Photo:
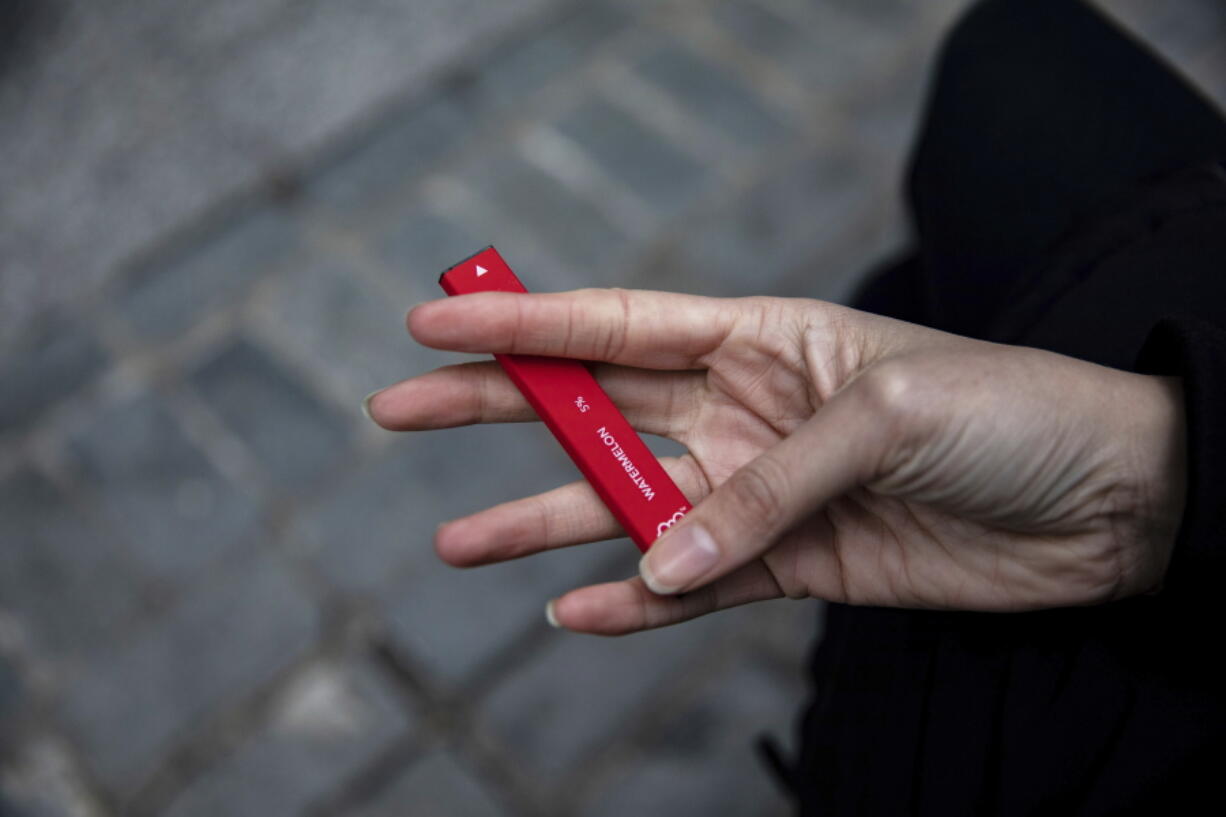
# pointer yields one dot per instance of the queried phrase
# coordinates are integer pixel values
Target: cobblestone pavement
(217, 589)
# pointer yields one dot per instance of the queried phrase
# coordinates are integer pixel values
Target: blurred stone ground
(217, 588)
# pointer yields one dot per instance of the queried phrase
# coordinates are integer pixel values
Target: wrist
(1159, 438)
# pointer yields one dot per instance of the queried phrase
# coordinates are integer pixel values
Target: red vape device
(565, 395)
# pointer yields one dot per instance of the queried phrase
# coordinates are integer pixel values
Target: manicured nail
(366, 404)
(551, 617)
(678, 559)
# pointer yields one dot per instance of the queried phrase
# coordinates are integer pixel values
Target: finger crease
(546, 522)
(619, 335)
(482, 396)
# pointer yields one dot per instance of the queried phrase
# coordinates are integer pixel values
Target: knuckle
(889, 390)
(908, 404)
(519, 323)
(572, 321)
(545, 530)
(618, 332)
(480, 407)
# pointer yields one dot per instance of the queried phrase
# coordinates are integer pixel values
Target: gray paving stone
(712, 93)
(454, 621)
(381, 522)
(325, 65)
(751, 244)
(105, 153)
(170, 292)
(835, 50)
(295, 437)
(363, 534)
(570, 228)
(887, 119)
(438, 785)
(519, 69)
(891, 13)
(65, 581)
(332, 721)
(897, 18)
(635, 156)
(39, 779)
(418, 245)
(1187, 33)
(391, 155)
(472, 228)
(1212, 78)
(756, 26)
(339, 326)
(705, 761)
(12, 697)
(565, 705)
(219, 642)
(1184, 30)
(395, 153)
(418, 242)
(190, 31)
(57, 358)
(176, 512)
(108, 146)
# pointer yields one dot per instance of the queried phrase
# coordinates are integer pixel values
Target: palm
(884, 550)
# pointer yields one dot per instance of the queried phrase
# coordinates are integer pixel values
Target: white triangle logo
(481, 271)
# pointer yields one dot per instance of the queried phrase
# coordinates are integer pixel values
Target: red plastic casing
(609, 453)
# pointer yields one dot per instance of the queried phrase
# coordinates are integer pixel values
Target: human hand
(832, 454)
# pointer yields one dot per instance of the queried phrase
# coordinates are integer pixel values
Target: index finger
(633, 327)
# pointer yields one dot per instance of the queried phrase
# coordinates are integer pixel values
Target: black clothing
(1067, 194)
(1041, 110)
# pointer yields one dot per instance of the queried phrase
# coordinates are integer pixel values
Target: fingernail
(678, 559)
(551, 617)
(366, 404)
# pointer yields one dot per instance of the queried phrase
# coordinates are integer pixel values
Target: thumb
(838, 448)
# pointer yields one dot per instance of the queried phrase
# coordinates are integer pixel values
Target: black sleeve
(1195, 350)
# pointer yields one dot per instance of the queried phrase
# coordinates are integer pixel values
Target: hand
(831, 454)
